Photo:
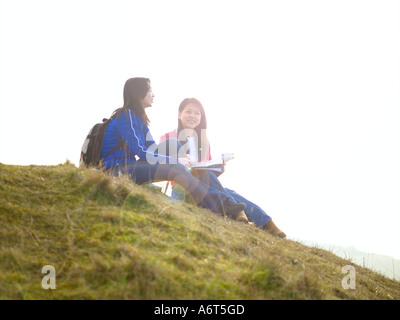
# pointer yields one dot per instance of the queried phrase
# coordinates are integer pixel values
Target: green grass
(110, 239)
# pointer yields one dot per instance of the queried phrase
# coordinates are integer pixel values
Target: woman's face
(148, 99)
(190, 116)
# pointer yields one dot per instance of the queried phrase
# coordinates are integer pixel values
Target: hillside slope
(110, 239)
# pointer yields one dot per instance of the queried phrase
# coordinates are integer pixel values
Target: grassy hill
(110, 239)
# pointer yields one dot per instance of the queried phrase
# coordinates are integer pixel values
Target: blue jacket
(138, 139)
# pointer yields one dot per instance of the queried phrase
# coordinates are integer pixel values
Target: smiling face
(190, 116)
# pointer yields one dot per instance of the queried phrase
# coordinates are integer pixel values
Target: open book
(213, 165)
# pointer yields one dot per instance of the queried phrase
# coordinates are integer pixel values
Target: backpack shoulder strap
(122, 142)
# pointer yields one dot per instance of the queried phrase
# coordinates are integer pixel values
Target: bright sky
(305, 93)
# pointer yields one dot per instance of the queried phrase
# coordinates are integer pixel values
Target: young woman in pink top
(191, 133)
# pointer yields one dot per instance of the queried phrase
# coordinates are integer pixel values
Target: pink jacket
(174, 134)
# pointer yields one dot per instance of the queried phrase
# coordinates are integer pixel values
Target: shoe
(241, 217)
(273, 230)
(232, 209)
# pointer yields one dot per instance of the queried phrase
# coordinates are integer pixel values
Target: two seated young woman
(145, 161)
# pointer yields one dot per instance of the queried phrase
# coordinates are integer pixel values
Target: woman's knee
(181, 175)
(180, 169)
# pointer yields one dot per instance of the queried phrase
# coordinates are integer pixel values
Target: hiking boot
(273, 230)
(233, 209)
(241, 217)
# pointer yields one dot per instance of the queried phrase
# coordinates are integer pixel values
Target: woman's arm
(130, 128)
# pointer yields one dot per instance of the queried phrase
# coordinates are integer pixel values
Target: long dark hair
(135, 90)
(202, 140)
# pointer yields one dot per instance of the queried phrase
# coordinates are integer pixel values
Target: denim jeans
(203, 194)
(253, 211)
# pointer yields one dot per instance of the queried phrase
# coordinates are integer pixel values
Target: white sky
(305, 93)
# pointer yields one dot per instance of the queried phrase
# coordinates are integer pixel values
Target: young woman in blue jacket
(191, 131)
(137, 153)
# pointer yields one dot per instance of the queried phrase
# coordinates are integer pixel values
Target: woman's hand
(187, 162)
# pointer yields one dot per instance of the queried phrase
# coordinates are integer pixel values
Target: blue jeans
(142, 172)
(253, 211)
